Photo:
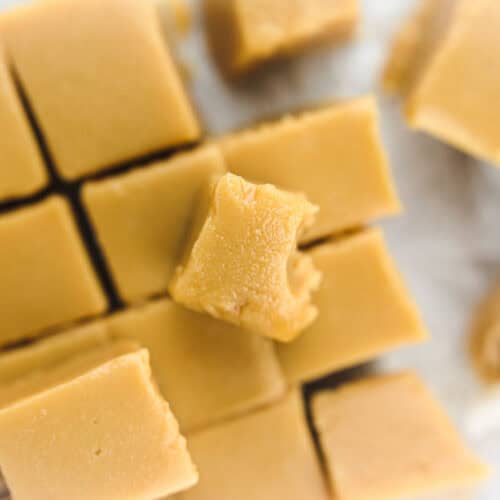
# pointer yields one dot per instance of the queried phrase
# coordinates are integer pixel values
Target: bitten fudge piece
(243, 33)
(48, 352)
(207, 369)
(142, 218)
(101, 82)
(266, 455)
(364, 310)
(22, 171)
(387, 436)
(334, 155)
(242, 264)
(441, 62)
(104, 434)
(46, 273)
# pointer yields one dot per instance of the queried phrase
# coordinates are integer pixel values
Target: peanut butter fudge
(242, 264)
(243, 33)
(45, 272)
(386, 437)
(334, 155)
(266, 455)
(22, 171)
(105, 434)
(442, 64)
(364, 310)
(141, 219)
(206, 369)
(101, 82)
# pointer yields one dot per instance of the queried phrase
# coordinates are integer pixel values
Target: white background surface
(447, 244)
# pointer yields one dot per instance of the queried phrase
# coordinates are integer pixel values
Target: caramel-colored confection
(387, 437)
(101, 82)
(22, 171)
(333, 155)
(441, 63)
(244, 33)
(484, 345)
(45, 272)
(106, 433)
(364, 310)
(141, 219)
(242, 264)
(267, 455)
(206, 369)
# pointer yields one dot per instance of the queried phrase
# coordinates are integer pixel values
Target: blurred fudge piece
(100, 79)
(46, 274)
(22, 171)
(106, 433)
(266, 455)
(387, 436)
(241, 263)
(443, 64)
(208, 370)
(244, 33)
(364, 310)
(334, 155)
(141, 219)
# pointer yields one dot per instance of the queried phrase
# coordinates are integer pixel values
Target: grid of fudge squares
(245, 33)
(441, 64)
(102, 68)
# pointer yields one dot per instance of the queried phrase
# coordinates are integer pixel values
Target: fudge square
(22, 171)
(266, 455)
(100, 79)
(208, 370)
(386, 436)
(454, 79)
(106, 433)
(314, 153)
(364, 310)
(47, 277)
(243, 33)
(141, 219)
(242, 264)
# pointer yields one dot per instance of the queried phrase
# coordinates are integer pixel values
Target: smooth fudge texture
(334, 155)
(141, 219)
(244, 33)
(206, 369)
(22, 171)
(242, 264)
(48, 352)
(101, 81)
(106, 434)
(484, 344)
(45, 271)
(387, 437)
(364, 310)
(456, 96)
(266, 455)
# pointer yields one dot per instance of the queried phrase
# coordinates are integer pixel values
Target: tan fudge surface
(267, 455)
(387, 437)
(106, 434)
(141, 219)
(46, 272)
(314, 154)
(243, 33)
(48, 352)
(242, 264)
(207, 370)
(22, 171)
(449, 99)
(364, 310)
(101, 81)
